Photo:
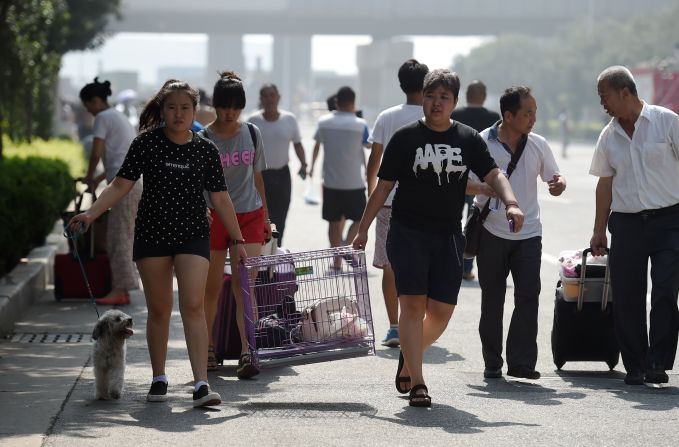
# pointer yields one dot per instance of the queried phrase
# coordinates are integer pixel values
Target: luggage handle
(583, 269)
(77, 203)
(78, 199)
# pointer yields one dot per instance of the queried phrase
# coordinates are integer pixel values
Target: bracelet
(237, 241)
(508, 204)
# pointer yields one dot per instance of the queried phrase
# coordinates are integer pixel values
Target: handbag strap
(510, 168)
(516, 155)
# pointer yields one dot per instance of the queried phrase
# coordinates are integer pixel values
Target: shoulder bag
(474, 225)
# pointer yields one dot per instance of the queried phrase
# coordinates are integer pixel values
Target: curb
(29, 279)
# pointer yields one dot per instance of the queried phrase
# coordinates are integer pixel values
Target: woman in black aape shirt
(172, 231)
(430, 159)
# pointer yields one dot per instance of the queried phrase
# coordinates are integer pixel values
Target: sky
(148, 52)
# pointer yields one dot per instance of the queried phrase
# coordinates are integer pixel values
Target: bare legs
(421, 323)
(335, 232)
(156, 275)
(390, 294)
(213, 288)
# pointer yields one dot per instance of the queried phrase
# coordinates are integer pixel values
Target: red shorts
(251, 226)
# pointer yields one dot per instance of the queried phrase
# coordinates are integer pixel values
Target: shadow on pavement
(435, 355)
(613, 381)
(446, 418)
(225, 382)
(528, 393)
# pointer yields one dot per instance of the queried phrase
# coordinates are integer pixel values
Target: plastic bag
(310, 194)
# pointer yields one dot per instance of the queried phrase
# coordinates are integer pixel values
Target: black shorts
(425, 263)
(347, 203)
(200, 247)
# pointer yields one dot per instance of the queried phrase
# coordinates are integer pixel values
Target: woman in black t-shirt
(430, 159)
(172, 230)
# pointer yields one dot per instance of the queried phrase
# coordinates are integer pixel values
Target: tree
(35, 35)
(562, 69)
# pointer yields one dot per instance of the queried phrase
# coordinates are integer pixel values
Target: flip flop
(421, 399)
(404, 379)
(211, 359)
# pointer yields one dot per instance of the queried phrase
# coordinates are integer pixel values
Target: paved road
(46, 389)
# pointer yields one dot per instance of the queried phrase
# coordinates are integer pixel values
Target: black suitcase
(584, 331)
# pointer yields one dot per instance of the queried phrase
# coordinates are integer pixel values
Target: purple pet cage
(307, 307)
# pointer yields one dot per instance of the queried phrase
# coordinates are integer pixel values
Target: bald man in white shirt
(637, 197)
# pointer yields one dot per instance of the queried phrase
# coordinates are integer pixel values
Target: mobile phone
(511, 225)
(302, 175)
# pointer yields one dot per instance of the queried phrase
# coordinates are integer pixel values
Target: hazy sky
(148, 52)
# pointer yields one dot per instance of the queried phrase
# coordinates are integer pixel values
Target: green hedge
(33, 193)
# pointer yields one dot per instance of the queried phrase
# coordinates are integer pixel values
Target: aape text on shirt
(432, 170)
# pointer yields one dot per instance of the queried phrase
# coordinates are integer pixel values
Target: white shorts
(381, 229)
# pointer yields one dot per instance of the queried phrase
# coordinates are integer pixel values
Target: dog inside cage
(301, 308)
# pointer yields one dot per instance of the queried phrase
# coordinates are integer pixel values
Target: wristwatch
(237, 241)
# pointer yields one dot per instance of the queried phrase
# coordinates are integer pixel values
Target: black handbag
(474, 225)
(472, 230)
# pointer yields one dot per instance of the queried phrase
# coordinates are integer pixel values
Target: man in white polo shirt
(343, 136)
(501, 250)
(637, 196)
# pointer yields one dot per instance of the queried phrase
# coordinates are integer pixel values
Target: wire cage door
(307, 307)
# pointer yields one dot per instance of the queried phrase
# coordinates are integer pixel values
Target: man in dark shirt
(478, 118)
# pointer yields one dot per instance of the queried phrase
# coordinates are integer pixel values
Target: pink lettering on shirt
(237, 158)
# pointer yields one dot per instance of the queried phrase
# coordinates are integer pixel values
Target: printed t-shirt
(240, 160)
(172, 210)
(432, 170)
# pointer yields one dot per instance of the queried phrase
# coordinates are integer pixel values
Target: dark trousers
(497, 257)
(278, 187)
(634, 240)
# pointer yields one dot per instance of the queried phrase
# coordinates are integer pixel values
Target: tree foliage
(562, 70)
(35, 34)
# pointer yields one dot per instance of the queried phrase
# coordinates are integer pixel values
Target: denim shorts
(199, 247)
(425, 263)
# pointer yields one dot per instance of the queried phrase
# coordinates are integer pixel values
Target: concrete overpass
(293, 22)
(383, 18)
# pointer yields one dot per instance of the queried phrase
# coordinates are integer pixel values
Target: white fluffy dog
(110, 336)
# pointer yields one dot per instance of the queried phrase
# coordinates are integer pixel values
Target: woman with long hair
(172, 230)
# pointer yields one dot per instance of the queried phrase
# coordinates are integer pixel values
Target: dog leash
(73, 236)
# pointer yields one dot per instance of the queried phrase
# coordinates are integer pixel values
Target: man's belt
(659, 211)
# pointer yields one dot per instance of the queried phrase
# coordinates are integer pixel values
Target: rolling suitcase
(68, 278)
(69, 281)
(274, 291)
(225, 333)
(583, 328)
